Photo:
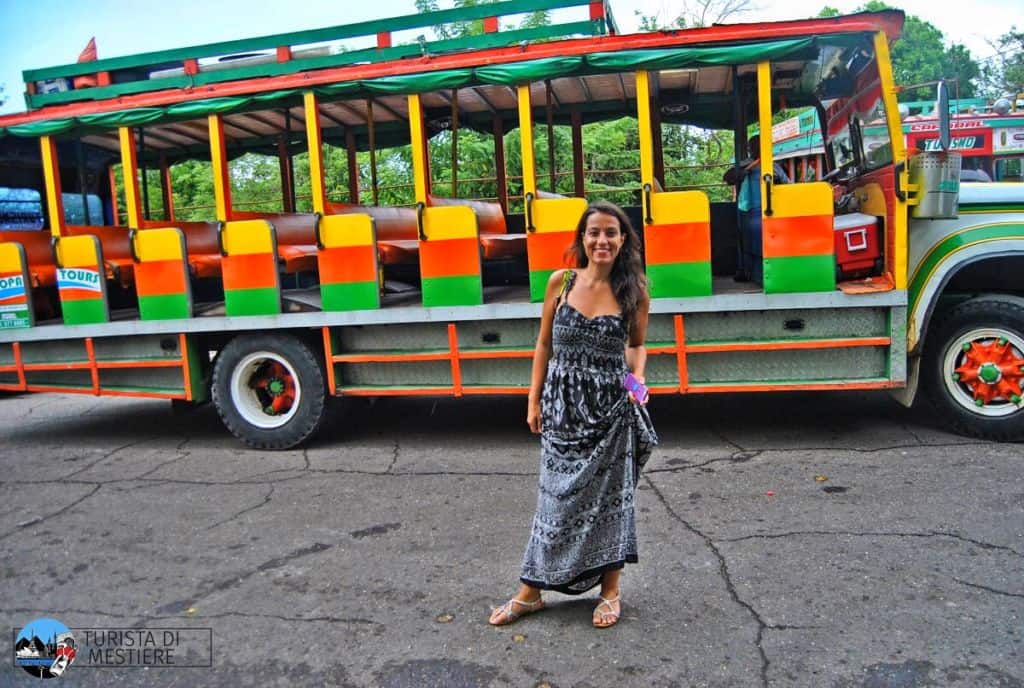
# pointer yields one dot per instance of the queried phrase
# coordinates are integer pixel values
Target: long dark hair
(629, 283)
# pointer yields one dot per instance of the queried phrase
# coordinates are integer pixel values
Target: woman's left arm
(636, 352)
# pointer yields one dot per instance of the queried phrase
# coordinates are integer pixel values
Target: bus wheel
(974, 359)
(269, 390)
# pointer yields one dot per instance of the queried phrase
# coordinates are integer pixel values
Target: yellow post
(51, 178)
(419, 148)
(130, 174)
(764, 117)
(316, 155)
(219, 158)
(643, 114)
(526, 139)
(899, 154)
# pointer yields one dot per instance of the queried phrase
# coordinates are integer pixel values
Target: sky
(44, 33)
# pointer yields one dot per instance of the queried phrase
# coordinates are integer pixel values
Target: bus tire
(973, 361)
(269, 390)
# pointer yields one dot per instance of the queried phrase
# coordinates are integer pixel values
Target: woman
(595, 436)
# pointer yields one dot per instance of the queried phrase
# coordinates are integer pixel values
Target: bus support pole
(419, 148)
(526, 141)
(166, 189)
(51, 179)
(578, 181)
(899, 154)
(221, 178)
(500, 180)
(316, 156)
(643, 114)
(353, 166)
(130, 176)
(82, 191)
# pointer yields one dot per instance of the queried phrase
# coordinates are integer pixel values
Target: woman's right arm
(542, 352)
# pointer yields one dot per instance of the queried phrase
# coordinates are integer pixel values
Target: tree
(461, 29)
(694, 14)
(1003, 73)
(919, 56)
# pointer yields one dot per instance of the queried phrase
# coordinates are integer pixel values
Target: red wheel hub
(991, 371)
(276, 387)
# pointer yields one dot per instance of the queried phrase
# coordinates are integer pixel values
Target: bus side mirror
(942, 112)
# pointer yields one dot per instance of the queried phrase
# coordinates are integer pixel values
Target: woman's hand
(642, 381)
(533, 416)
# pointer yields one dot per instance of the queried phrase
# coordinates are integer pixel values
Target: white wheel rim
(962, 392)
(250, 399)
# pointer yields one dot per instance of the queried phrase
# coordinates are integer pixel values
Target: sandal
(510, 613)
(606, 619)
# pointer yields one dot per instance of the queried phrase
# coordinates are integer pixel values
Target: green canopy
(510, 74)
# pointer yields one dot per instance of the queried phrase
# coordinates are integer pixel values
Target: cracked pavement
(787, 540)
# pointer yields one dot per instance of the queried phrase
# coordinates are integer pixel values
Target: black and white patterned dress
(594, 441)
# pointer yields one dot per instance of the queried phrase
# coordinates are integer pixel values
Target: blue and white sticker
(79, 278)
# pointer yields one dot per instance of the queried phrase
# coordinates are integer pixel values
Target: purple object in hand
(636, 388)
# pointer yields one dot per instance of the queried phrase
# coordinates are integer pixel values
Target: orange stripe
(389, 358)
(547, 251)
(453, 345)
(73, 294)
(113, 365)
(183, 347)
(33, 367)
(345, 264)
(329, 355)
(17, 361)
(375, 392)
(798, 236)
(495, 390)
(14, 301)
(107, 393)
(249, 271)
(487, 355)
(818, 386)
(682, 242)
(94, 372)
(160, 277)
(449, 258)
(684, 373)
(142, 395)
(784, 346)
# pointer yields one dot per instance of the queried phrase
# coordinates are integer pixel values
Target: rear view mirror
(942, 112)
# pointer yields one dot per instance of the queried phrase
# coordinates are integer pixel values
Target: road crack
(723, 569)
(869, 533)
(44, 519)
(266, 500)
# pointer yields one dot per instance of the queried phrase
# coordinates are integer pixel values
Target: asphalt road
(794, 540)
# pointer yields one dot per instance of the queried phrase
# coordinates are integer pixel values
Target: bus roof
(585, 72)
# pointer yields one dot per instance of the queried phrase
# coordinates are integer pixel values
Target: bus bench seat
(41, 268)
(117, 257)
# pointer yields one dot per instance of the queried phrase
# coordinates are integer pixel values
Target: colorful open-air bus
(269, 313)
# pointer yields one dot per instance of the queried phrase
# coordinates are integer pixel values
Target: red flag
(89, 53)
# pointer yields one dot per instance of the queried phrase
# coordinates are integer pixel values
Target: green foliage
(1003, 73)
(920, 56)
(828, 11)
(694, 14)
